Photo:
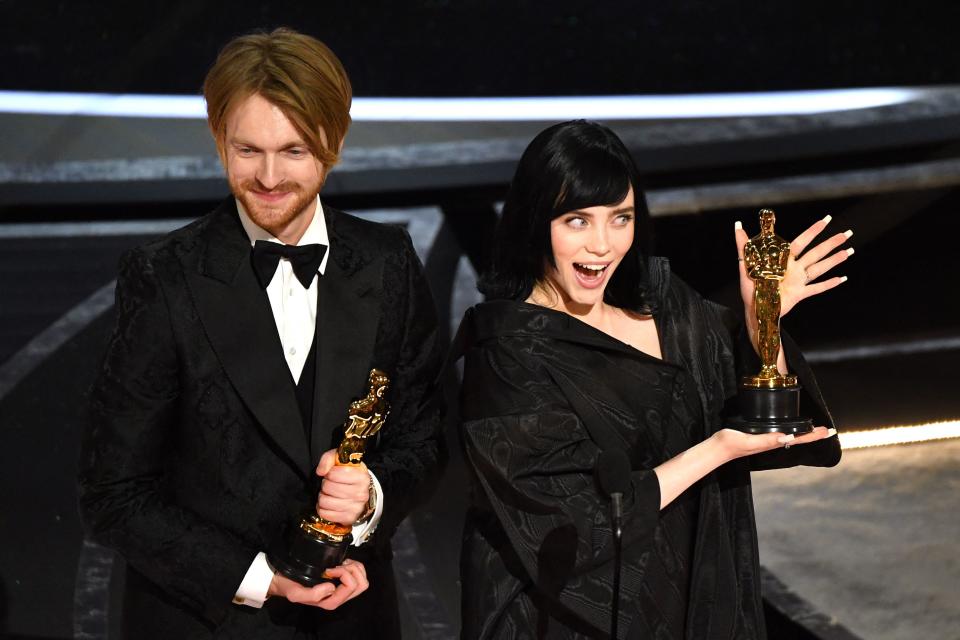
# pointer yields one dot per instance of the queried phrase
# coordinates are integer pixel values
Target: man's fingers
(327, 461)
(359, 573)
(331, 602)
(329, 503)
(295, 592)
(352, 491)
(353, 582)
(348, 578)
(349, 492)
(344, 512)
(356, 567)
(349, 474)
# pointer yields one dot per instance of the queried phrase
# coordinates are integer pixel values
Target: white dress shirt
(295, 313)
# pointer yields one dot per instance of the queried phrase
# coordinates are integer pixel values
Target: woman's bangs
(600, 179)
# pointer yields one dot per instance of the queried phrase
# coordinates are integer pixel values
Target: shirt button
(292, 351)
(291, 293)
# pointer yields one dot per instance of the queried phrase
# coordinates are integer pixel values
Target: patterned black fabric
(537, 557)
(196, 458)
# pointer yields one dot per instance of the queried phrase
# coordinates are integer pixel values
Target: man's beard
(273, 218)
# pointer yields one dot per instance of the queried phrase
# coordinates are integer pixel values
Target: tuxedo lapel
(236, 316)
(348, 310)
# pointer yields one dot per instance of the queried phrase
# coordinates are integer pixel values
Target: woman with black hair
(584, 335)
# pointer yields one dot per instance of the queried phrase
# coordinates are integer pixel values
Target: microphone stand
(616, 507)
(613, 475)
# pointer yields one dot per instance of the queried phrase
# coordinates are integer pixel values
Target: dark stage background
(474, 48)
(75, 192)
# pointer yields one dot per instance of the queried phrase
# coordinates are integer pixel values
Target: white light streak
(102, 104)
(652, 107)
(900, 435)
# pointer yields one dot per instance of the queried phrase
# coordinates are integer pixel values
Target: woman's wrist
(677, 474)
(721, 453)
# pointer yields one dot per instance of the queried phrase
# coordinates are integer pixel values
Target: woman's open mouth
(590, 275)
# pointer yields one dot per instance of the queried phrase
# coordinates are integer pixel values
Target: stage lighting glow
(102, 104)
(664, 107)
(548, 109)
(900, 434)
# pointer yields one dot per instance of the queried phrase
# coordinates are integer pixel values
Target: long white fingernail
(785, 439)
(738, 225)
(827, 218)
(848, 232)
(850, 251)
(843, 279)
(831, 432)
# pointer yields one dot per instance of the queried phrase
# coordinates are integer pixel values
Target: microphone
(613, 476)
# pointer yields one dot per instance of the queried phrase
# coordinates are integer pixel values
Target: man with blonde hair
(240, 341)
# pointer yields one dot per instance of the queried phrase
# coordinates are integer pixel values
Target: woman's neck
(599, 315)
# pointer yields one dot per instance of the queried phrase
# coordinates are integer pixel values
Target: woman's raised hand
(803, 267)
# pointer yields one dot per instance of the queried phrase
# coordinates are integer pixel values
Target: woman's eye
(623, 219)
(576, 222)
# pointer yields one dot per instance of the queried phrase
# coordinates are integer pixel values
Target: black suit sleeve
(129, 442)
(408, 448)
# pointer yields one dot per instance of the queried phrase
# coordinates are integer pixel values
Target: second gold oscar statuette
(316, 544)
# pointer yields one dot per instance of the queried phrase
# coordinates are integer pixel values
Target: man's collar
(316, 232)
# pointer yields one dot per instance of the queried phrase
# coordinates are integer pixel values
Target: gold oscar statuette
(769, 400)
(316, 544)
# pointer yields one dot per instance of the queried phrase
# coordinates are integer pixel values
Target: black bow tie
(305, 259)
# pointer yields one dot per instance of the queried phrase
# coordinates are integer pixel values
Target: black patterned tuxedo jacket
(196, 457)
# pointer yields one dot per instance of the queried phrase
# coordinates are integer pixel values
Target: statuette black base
(304, 557)
(770, 411)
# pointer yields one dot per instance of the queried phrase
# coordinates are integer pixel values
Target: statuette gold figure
(365, 418)
(316, 544)
(770, 400)
(765, 257)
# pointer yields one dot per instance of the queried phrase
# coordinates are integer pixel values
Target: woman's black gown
(537, 555)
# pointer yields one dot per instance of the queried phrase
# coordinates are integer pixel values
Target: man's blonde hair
(297, 73)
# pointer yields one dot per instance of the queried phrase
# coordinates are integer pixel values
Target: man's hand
(353, 582)
(345, 492)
